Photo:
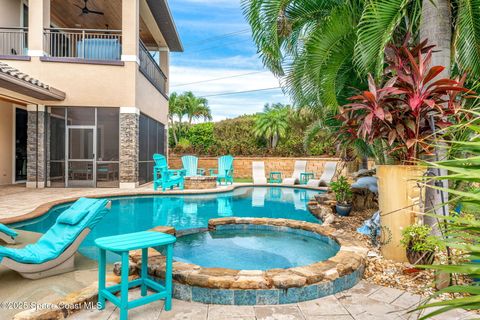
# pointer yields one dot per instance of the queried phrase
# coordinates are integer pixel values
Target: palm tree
(309, 44)
(196, 107)
(272, 123)
(173, 110)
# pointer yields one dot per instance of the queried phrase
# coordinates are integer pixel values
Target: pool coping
(274, 286)
(47, 206)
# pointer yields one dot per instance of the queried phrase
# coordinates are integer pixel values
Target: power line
(222, 78)
(221, 36)
(216, 47)
(238, 92)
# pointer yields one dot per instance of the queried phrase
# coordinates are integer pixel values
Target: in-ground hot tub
(254, 248)
(249, 261)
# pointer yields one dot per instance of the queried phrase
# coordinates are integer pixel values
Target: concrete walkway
(363, 302)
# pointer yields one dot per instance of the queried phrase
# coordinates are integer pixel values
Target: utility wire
(216, 47)
(238, 92)
(219, 37)
(222, 78)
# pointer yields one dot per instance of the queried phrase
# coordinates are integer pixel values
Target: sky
(218, 44)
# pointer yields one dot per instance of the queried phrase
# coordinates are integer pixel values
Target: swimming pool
(139, 213)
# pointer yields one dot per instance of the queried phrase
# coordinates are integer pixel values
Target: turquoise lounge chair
(7, 234)
(164, 177)
(54, 252)
(190, 164)
(225, 170)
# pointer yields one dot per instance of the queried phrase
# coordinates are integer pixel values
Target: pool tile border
(270, 287)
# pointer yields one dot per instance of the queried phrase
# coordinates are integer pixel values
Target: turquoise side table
(122, 244)
(275, 177)
(305, 176)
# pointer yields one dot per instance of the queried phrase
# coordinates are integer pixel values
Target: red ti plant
(401, 112)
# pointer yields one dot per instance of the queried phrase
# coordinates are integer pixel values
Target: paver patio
(362, 302)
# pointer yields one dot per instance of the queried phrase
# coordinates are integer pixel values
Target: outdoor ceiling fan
(85, 9)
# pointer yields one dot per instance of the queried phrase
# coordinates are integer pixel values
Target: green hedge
(236, 137)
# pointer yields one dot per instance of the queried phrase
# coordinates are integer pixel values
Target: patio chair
(7, 235)
(300, 166)
(224, 171)
(328, 173)
(164, 177)
(54, 252)
(258, 172)
(190, 164)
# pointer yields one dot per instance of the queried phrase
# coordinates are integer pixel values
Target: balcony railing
(84, 44)
(13, 41)
(151, 70)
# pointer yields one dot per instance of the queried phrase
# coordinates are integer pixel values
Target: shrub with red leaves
(402, 110)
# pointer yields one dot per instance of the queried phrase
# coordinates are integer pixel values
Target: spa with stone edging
(256, 287)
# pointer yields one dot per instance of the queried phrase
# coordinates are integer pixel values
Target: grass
(244, 180)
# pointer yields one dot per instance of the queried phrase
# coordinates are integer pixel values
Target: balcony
(151, 70)
(94, 45)
(13, 41)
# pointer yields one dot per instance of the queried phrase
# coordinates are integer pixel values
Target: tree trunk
(436, 26)
(172, 126)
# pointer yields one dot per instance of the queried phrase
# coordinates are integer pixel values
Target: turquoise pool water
(132, 214)
(252, 249)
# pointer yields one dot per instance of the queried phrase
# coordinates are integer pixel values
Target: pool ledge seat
(7, 235)
(54, 252)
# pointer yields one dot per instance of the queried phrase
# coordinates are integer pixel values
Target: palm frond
(379, 20)
(467, 37)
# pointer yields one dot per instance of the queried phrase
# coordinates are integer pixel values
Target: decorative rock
(200, 182)
(132, 268)
(288, 280)
(164, 229)
(250, 282)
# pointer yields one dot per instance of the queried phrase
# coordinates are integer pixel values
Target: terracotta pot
(420, 257)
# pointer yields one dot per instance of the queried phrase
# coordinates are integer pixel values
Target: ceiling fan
(86, 11)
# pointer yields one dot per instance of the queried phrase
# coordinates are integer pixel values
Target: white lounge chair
(54, 252)
(300, 167)
(328, 173)
(258, 172)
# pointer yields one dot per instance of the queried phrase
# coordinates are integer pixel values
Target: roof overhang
(163, 17)
(15, 81)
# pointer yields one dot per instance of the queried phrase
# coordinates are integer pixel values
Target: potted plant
(420, 245)
(343, 195)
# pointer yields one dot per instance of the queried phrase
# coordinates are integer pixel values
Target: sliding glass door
(81, 169)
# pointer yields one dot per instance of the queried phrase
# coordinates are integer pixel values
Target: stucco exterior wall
(10, 13)
(6, 142)
(149, 100)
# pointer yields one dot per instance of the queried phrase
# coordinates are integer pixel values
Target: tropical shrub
(401, 113)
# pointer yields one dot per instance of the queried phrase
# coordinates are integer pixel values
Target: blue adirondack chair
(164, 177)
(190, 164)
(225, 170)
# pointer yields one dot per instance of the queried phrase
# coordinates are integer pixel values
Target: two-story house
(83, 91)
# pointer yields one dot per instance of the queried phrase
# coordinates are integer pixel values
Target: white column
(38, 19)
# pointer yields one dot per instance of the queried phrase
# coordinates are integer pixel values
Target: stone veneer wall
(243, 165)
(36, 149)
(129, 147)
